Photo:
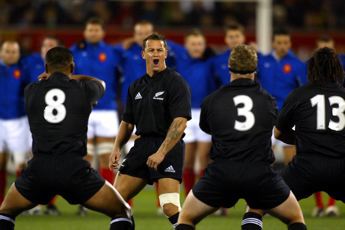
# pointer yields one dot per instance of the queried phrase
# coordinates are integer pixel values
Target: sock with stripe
(6, 222)
(251, 221)
(121, 223)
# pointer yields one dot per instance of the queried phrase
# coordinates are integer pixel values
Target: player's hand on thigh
(114, 159)
(155, 159)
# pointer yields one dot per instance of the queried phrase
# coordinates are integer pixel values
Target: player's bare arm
(174, 134)
(125, 132)
(287, 137)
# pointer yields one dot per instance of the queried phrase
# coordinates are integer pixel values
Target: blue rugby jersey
(34, 66)
(197, 72)
(99, 60)
(13, 80)
(280, 77)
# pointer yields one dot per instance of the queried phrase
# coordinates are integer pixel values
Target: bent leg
(193, 211)
(289, 212)
(13, 204)
(128, 186)
(109, 202)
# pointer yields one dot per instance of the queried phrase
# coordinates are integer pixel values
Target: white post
(264, 24)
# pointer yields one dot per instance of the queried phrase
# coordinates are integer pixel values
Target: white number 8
(55, 111)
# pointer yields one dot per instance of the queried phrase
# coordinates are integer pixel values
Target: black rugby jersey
(153, 102)
(58, 110)
(318, 114)
(240, 117)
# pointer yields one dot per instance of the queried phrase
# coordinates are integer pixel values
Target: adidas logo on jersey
(138, 96)
(156, 97)
(170, 169)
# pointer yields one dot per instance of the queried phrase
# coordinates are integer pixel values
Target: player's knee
(170, 203)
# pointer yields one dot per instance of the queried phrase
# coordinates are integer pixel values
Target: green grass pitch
(147, 219)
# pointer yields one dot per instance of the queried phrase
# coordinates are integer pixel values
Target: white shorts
(15, 138)
(103, 123)
(193, 131)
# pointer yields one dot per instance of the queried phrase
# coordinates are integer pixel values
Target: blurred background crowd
(299, 14)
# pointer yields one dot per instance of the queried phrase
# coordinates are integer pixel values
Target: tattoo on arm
(174, 134)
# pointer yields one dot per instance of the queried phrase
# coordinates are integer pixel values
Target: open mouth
(155, 61)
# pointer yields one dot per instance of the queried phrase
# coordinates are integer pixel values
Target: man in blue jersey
(34, 63)
(279, 73)
(96, 58)
(234, 36)
(14, 129)
(195, 67)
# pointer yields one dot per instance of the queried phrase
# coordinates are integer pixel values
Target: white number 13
(319, 102)
(244, 111)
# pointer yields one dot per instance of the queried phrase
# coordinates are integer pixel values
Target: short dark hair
(281, 31)
(324, 67)
(95, 21)
(234, 26)
(155, 37)
(194, 32)
(58, 58)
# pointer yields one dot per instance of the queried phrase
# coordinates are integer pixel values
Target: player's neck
(152, 72)
(242, 76)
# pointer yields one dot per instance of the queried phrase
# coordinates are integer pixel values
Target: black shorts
(226, 181)
(306, 175)
(135, 162)
(70, 177)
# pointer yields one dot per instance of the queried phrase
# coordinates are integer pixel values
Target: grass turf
(147, 219)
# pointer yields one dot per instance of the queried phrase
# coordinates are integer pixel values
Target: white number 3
(55, 111)
(244, 111)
